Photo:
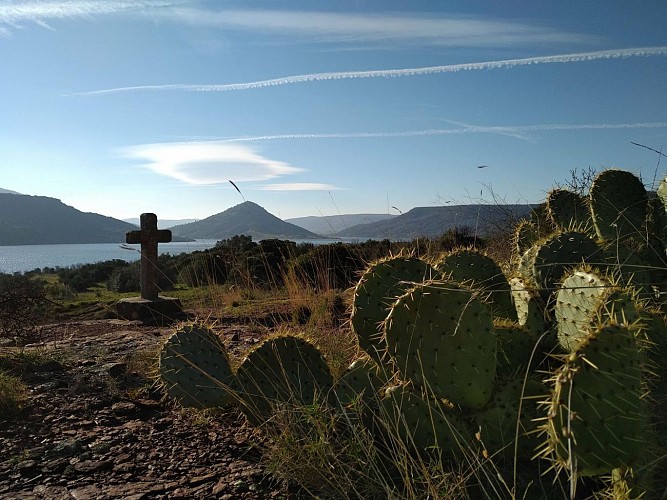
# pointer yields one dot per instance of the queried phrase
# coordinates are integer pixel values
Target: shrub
(22, 302)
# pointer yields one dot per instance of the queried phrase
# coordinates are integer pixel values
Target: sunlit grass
(13, 393)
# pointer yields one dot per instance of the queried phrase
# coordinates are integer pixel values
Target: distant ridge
(163, 223)
(332, 225)
(249, 219)
(39, 220)
(7, 191)
(433, 221)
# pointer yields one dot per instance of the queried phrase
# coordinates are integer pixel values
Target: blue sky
(318, 108)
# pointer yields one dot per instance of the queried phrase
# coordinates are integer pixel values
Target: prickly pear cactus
(596, 419)
(568, 210)
(556, 254)
(362, 380)
(509, 419)
(529, 308)
(578, 299)
(619, 205)
(526, 234)
(441, 337)
(284, 370)
(644, 267)
(380, 285)
(423, 425)
(194, 368)
(473, 268)
(515, 346)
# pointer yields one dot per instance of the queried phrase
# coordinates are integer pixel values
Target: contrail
(473, 129)
(386, 73)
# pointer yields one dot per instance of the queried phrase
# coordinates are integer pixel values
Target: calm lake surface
(22, 258)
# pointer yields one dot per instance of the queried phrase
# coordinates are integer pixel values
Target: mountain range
(162, 223)
(40, 220)
(249, 219)
(332, 225)
(433, 221)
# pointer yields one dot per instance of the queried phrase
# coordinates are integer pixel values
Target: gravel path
(93, 427)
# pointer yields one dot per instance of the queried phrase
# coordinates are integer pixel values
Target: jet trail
(387, 73)
(474, 129)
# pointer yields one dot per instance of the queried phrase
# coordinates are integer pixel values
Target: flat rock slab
(160, 311)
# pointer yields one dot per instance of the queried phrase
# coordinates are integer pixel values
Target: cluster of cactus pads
(558, 356)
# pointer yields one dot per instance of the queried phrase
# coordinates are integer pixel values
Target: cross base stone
(160, 311)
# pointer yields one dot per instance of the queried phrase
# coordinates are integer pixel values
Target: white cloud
(431, 28)
(208, 163)
(13, 14)
(386, 73)
(299, 186)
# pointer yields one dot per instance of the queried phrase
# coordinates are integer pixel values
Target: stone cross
(149, 236)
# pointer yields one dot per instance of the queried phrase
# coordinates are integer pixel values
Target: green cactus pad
(558, 253)
(380, 285)
(498, 420)
(526, 234)
(473, 268)
(441, 337)
(362, 379)
(597, 418)
(633, 270)
(577, 301)
(619, 205)
(284, 370)
(515, 346)
(194, 368)
(422, 425)
(529, 308)
(568, 210)
(658, 215)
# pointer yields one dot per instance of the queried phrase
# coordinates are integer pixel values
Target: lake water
(22, 258)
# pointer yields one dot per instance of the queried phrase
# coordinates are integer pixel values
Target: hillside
(162, 223)
(433, 221)
(7, 191)
(249, 219)
(39, 220)
(332, 225)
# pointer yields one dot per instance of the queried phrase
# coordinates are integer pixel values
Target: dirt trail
(93, 428)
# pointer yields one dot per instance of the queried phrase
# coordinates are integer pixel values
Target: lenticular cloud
(387, 73)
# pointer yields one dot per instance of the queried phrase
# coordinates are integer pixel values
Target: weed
(13, 393)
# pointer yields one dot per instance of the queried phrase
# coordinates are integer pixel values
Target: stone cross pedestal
(150, 307)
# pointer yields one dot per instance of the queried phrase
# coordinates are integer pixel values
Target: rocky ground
(94, 426)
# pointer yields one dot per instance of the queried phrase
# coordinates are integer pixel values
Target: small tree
(22, 302)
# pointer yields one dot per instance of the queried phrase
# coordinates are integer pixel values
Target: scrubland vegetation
(529, 364)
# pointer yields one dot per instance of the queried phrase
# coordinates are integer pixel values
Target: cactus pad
(477, 270)
(362, 379)
(568, 209)
(597, 418)
(577, 301)
(515, 346)
(619, 205)
(559, 252)
(441, 337)
(194, 368)
(381, 284)
(512, 403)
(422, 425)
(282, 370)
